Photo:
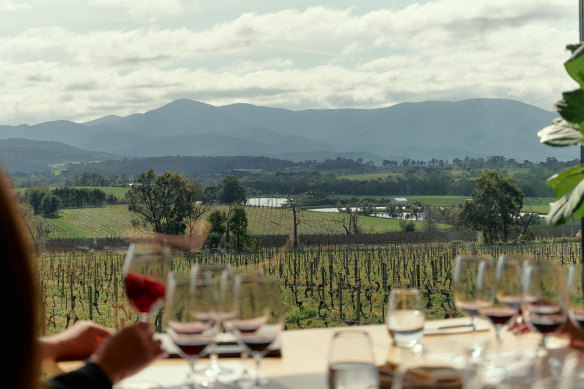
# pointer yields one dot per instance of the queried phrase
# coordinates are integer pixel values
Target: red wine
(143, 292)
(545, 325)
(188, 328)
(546, 319)
(247, 327)
(192, 347)
(470, 309)
(499, 316)
(257, 344)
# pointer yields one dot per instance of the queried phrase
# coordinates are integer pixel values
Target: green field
(101, 222)
(116, 220)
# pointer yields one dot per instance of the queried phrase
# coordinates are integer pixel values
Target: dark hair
(20, 289)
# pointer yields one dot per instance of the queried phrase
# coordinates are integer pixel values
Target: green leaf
(568, 205)
(572, 106)
(561, 133)
(564, 182)
(575, 66)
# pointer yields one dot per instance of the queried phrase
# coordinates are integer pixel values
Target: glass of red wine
(576, 289)
(545, 298)
(500, 291)
(466, 298)
(259, 317)
(190, 309)
(145, 274)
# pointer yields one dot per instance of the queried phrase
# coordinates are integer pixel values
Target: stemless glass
(576, 289)
(464, 287)
(499, 289)
(190, 306)
(405, 317)
(351, 361)
(545, 298)
(145, 271)
(259, 318)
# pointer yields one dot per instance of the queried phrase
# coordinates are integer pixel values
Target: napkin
(454, 326)
(439, 377)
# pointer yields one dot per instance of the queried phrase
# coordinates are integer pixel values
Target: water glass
(351, 361)
(405, 317)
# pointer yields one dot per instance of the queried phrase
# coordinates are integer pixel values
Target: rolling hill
(424, 130)
(24, 155)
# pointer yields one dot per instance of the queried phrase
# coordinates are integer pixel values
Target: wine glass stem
(257, 358)
(144, 317)
(498, 332)
(191, 373)
(543, 345)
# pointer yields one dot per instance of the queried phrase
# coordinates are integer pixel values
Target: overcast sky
(79, 60)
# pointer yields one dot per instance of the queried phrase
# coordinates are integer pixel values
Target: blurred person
(111, 358)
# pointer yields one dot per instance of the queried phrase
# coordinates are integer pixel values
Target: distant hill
(24, 155)
(422, 131)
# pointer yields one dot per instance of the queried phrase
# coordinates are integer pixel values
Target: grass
(116, 220)
(100, 222)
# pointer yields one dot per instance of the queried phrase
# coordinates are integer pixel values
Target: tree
(34, 196)
(50, 205)
(238, 227)
(230, 191)
(496, 202)
(217, 219)
(164, 201)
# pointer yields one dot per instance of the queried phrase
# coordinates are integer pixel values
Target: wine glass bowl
(545, 298)
(190, 316)
(466, 291)
(258, 319)
(145, 274)
(405, 317)
(499, 291)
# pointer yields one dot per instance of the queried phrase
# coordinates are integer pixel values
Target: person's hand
(128, 352)
(77, 342)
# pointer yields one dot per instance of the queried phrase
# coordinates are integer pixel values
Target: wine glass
(464, 287)
(190, 311)
(145, 274)
(576, 289)
(545, 298)
(223, 278)
(499, 291)
(259, 317)
(351, 361)
(405, 317)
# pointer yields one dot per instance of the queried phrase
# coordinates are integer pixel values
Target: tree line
(47, 202)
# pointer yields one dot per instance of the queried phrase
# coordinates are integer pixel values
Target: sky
(80, 60)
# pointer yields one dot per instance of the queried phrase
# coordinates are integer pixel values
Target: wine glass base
(228, 372)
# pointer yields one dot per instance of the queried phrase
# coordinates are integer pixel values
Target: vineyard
(329, 286)
(116, 221)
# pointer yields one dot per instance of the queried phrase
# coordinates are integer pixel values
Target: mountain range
(421, 131)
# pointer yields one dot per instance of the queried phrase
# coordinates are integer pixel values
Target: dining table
(301, 357)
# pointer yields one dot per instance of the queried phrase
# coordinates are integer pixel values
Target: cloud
(313, 58)
(148, 9)
(12, 5)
